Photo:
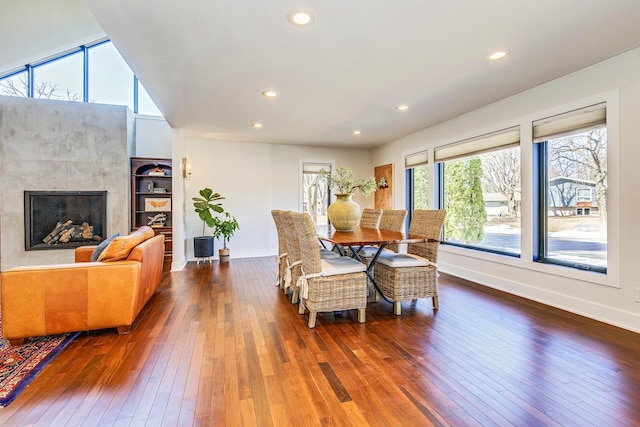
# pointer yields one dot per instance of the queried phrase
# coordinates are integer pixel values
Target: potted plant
(224, 226)
(205, 207)
(344, 213)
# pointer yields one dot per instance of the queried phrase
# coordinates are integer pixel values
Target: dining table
(360, 237)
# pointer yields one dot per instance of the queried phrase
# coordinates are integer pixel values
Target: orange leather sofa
(109, 293)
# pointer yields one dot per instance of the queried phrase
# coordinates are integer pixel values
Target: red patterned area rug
(19, 365)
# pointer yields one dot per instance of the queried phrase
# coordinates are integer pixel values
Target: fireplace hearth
(64, 219)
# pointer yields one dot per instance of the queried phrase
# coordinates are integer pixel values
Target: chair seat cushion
(341, 265)
(403, 260)
(326, 253)
(370, 251)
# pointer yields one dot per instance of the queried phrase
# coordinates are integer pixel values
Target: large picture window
(479, 182)
(570, 155)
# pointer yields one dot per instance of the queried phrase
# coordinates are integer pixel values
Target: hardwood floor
(220, 345)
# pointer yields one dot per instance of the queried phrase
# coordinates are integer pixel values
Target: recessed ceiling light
(402, 107)
(256, 125)
(499, 54)
(357, 132)
(301, 18)
(269, 93)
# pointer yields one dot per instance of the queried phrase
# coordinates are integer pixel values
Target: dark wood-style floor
(220, 345)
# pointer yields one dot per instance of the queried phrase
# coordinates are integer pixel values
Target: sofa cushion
(98, 250)
(121, 246)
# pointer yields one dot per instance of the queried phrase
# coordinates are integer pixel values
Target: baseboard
(590, 309)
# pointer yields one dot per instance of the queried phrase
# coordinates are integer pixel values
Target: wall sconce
(186, 169)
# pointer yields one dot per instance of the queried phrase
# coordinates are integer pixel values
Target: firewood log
(56, 231)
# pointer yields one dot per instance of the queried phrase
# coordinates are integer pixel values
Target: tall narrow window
(479, 181)
(571, 162)
(417, 179)
(315, 193)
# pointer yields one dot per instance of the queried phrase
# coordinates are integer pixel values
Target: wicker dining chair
(281, 258)
(413, 275)
(391, 220)
(292, 272)
(332, 284)
(370, 218)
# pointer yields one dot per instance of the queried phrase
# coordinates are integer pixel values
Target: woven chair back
(426, 223)
(370, 218)
(308, 241)
(392, 220)
(277, 219)
(290, 238)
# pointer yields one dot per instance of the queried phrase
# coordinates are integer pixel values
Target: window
(479, 182)
(145, 103)
(106, 79)
(315, 192)
(61, 79)
(15, 85)
(570, 155)
(417, 179)
(110, 78)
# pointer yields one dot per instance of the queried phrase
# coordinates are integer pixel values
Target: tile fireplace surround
(50, 145)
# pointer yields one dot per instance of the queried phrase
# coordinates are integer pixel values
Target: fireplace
(64, 219)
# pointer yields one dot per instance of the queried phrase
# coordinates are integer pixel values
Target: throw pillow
(98, 250)
(146, 231)
(120, 247)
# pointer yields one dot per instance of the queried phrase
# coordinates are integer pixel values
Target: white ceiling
(205, 63)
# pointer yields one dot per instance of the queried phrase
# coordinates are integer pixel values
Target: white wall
(153, 137)
(254, 178)
(611, 298)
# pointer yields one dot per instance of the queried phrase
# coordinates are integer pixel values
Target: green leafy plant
(345, 182)
(205, 207)
(225, 226)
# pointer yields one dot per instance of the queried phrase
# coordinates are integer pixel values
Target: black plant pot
(203, 247)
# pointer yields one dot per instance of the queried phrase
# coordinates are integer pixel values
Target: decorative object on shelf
(186, 169)
(150, 185)
(157, 220)
(158, 171)
(205, 207)
(154, 204)
(344, 213)
(224, 226)
(159, 190)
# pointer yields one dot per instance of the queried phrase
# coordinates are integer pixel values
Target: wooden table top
(366, 236)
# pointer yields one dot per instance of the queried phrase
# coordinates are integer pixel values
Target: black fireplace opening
(64, 219)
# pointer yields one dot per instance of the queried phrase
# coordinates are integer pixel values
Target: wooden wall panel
(384, 196)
